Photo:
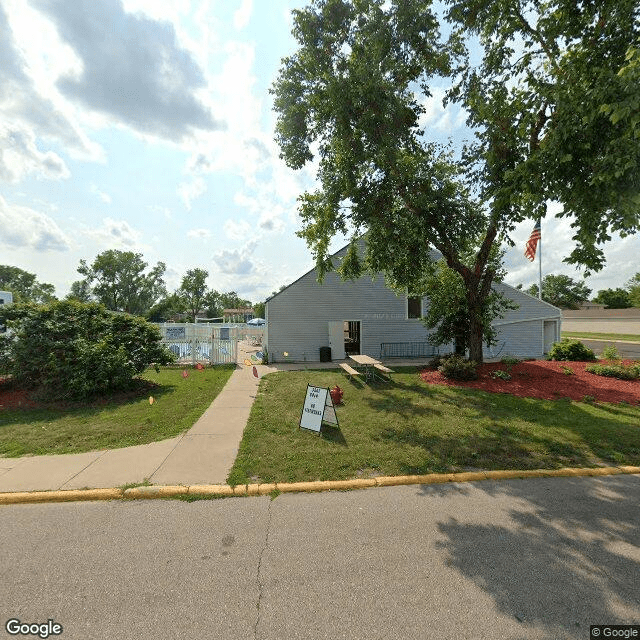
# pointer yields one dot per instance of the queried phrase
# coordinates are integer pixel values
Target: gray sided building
(365, 316)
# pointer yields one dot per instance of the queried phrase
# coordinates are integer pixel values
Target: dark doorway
(352, 337)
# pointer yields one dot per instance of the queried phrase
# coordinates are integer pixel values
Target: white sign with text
(318, 406)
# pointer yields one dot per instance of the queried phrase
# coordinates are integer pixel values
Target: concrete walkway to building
(202, 455)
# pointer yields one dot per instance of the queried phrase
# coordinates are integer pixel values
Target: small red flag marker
(255, 372)
(185, 373)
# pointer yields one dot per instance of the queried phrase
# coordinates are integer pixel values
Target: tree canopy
(24, 286)
(562, 291)
(613, 298)
(633, 286)
(118, 280)
(193, 291)
(542, 101)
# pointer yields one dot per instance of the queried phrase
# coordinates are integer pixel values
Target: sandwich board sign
(318, 408)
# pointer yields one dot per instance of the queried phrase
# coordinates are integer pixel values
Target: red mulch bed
(546, 380)
(12, 397)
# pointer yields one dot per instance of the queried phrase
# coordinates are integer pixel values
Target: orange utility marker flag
(185, 373)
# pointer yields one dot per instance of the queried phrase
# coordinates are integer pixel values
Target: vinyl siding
(298, 317)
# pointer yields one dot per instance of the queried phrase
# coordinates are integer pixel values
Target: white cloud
(133, 68)
(105, 197)
(23, 227)
(199, 234)
(19, 157)
(156, 208)
(190, 191)
(242, 16)
(237, 229)
(439, 117)
(236, 262)
(28, 100)
(116, 234)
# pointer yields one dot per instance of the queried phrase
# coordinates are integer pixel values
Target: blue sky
(147, 126)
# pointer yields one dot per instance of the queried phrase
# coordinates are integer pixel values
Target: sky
(147, 126)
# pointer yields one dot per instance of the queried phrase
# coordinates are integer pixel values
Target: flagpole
(540, 264)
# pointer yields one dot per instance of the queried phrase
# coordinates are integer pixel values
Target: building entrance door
(336, 340)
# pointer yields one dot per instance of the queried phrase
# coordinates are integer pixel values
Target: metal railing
(407, 350)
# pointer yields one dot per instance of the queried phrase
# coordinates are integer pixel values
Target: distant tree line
(122, 281)
(565, 292)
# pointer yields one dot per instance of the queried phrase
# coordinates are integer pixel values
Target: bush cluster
(457, 368)
(573, 350)
(74, 350)
(620, 371)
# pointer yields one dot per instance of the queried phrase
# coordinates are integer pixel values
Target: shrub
(573, 350)
(611, 353)
(457, 368)
(73, 350)
(568, 371)
(440, 359)
(510, 360)
(499, 373)
(620, 371)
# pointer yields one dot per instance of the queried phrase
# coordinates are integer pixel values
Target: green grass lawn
(409, 427)
(122, 421)
(626, 337)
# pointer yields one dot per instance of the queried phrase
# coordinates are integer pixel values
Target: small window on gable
(414, 307)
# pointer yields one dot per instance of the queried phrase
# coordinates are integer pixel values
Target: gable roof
(436, 255)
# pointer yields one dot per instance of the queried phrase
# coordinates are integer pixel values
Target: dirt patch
(547, 381)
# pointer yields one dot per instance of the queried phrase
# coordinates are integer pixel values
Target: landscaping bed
(546, 380)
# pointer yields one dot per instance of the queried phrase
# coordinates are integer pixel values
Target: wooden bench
(383, 369)
(349, 370)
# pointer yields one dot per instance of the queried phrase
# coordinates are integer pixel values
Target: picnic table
(371, 365)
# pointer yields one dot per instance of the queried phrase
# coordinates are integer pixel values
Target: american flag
(532, 243)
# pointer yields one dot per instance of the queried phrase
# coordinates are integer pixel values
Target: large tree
(562, 291)
(633, 286)
(193, 291)
(24, 286)
(119, 281)
(613, 298)
(541, 99)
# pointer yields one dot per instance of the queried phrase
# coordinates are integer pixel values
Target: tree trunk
(475, 334)
(476, 295)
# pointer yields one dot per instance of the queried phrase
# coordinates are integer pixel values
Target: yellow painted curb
(155, 492)
(70, 495)
(326, 485)
(211, 490)
(151, 492)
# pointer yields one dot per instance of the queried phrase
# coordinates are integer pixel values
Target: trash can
(325, 354)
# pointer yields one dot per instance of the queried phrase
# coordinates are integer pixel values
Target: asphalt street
(519, 559)
(628, 350)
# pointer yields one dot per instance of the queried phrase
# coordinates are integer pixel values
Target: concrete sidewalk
(202, 455)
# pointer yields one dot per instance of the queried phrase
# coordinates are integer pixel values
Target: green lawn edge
(178, 402)
(410, 428)
(615, 337)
